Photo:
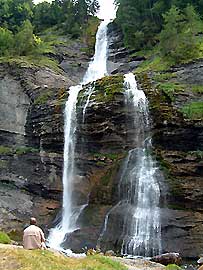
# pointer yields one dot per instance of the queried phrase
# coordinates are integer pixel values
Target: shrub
(4, 238)
(6, 41)
(24, 39)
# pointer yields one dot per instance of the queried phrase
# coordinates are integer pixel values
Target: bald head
(33, 221)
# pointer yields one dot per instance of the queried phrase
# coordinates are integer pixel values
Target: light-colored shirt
(33, 237)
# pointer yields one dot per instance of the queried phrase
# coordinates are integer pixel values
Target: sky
(107, 10)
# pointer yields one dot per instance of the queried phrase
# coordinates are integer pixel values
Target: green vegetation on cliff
(43, 260)
(172, 27)
(4, 150)
(24, 28)
(193, 110)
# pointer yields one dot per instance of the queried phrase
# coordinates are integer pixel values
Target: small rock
(109, 253)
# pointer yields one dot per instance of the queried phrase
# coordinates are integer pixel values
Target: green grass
(197, 89)
(4, 150)
(170, 88)
(172, 267)
(162, 77)
(43, 98)
(31, 61)
(201, 47)
(155, 63)
(24, 150)
(4, 238)
(112, 156)
(52, 37)
(193, 110)
(43, 61)
(46, 260)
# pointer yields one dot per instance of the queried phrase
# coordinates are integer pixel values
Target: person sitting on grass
(33, 236)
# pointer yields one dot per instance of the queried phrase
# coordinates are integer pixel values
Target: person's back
(33, 236)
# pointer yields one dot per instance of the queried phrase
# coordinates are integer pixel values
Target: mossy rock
(109, 86)
(160, 99)
(44, 98)
(165, 167)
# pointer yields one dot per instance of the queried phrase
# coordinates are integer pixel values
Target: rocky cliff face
(31, 135)
(178, 144)
(31, 151)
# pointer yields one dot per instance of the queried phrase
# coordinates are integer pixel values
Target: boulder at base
(168, 258)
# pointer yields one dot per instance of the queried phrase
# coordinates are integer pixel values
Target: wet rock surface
(31, 137)
(120, 59)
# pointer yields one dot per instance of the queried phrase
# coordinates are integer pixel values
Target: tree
(43, 17)
(138, 22)
(6, 41)
(170, 35)
(14, 13)
(141, 20)
(178, 40)
(24, 39)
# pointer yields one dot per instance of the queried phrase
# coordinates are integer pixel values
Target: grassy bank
(20, 259)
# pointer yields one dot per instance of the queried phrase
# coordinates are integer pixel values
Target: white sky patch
(39, 1)
(107, 8)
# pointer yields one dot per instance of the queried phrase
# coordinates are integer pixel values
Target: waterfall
(138, 187)
(70, 212)
(140, 175)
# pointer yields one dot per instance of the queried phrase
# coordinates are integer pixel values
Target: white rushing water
(138, 188)
(70, 213)
(143, 225)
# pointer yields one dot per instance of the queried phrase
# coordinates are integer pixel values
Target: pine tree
(6, 41)
(24, 39)
(178, 39)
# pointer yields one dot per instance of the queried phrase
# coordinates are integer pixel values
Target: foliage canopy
(21, 20)
(174, 23)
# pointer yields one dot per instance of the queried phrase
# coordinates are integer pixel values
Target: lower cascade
(138, 189)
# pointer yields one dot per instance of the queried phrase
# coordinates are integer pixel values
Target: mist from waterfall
(71, 211)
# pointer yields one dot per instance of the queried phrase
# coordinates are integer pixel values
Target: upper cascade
(97, 67)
